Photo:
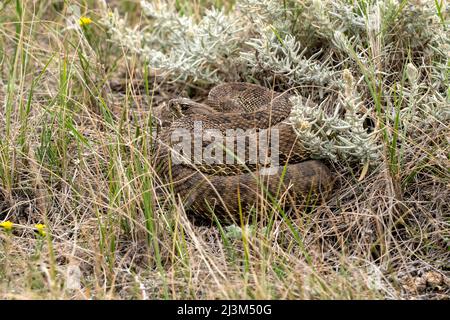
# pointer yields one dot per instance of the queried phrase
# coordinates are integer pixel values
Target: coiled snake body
(227, 188)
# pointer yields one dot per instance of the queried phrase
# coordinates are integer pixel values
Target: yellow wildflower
(41, 229)
(84, 21)
(7, 225)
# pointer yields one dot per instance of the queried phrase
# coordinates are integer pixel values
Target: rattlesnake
(227, 189)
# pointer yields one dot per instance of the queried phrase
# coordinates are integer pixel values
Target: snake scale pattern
(227, 189)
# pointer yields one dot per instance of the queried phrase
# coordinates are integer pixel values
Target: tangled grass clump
(370, 88)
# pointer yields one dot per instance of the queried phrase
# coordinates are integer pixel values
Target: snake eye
(184, 107)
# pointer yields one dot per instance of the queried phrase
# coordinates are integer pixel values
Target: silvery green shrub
(337, 54)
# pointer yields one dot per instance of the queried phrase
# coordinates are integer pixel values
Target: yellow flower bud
(41, 229)
(84, 21)
(7, 225)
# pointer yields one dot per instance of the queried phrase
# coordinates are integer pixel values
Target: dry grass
(76, 157)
